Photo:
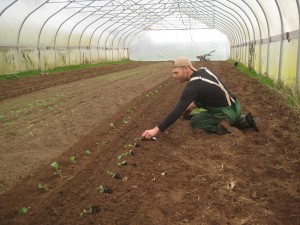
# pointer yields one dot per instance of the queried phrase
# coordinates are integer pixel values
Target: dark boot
(247, 121)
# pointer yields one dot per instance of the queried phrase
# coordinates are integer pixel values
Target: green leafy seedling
(55, 165)
(125, 154)
(43, 187)
(111, 173)
(23, 210)
(88, 152)
(73, 159)
(102, 189)
(125, 120)
(114, 174)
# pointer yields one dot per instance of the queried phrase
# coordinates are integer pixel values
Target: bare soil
(186, 176)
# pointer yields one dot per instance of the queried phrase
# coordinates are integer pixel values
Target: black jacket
(203, 93)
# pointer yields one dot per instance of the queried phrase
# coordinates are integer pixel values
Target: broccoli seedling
(114, 174)
(73, 159)
(43, 187)
(55, 165)
(102, 189)
(88, 152)
(125, 154)
(23, 210)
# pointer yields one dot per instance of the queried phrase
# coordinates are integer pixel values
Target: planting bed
(185, 176)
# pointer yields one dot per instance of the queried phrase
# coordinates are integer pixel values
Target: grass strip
(292, 97)
(32, 73)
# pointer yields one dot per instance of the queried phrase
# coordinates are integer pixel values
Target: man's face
(180, 73)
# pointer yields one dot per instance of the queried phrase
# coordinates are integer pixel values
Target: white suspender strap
(219, 84)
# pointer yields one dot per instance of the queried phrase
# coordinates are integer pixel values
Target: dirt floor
(186, 176)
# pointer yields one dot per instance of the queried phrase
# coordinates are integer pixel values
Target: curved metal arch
(253, 31)
(40, 33)
(233, 36)
(91, 36)
(228, 33)
(7, 7)
(160, 15)
(238, 33)
(58, 29)
(130, 29)
(281, 41)
(242, 19)
(75, 25)
(221, 15)
(90, 25)
(268, 27)
(20, 29)
(259, 65)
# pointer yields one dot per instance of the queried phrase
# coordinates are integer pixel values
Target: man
(205, 90)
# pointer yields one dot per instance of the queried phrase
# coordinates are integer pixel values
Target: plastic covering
(42, 34)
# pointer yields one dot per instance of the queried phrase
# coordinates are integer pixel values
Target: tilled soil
(185, 176)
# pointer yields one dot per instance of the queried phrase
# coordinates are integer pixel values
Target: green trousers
(210, 119)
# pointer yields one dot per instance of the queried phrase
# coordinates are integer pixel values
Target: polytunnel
(102, 121)
(43, 34)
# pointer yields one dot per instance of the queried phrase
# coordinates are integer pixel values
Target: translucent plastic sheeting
(161, 45)
(42, 34)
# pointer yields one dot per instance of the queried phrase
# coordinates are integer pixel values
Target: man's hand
(150, 133)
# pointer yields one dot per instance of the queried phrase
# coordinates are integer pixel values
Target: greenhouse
(96, 130)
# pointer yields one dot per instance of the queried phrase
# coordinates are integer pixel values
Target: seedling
(102, 189)
(123, 163)
(85, 211)
(23, 210)
(112, 125)
(73, 159)
(128, 146)
(43, 187)
(88, 152)
(125, 154)
(91, 210)
(137, 142)
(125, 120)
(56, 166)
(130, 110)
(114, 174)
